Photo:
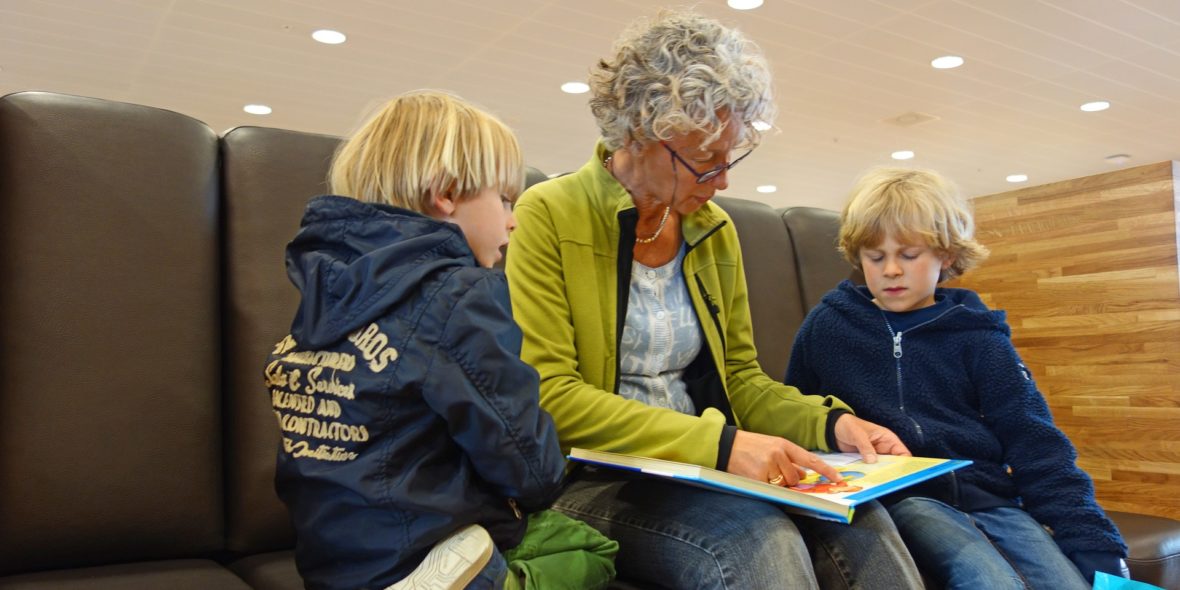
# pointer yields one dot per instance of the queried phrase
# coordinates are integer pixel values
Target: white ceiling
(842, 69)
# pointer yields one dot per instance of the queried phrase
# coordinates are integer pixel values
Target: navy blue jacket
(954, 387)
(405, 410)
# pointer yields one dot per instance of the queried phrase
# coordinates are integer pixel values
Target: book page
(860, 476)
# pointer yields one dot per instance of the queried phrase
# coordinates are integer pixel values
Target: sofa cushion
(268, 177)
(110, 412)
(269, 571)
(173, 575)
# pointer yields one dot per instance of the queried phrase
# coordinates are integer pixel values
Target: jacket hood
(353, 260)
(968, 310)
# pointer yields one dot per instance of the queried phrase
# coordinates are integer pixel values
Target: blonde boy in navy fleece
(414, 452)
(938, 368)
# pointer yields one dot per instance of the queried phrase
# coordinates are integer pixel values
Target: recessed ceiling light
(1017, 177)
(1117, 159)
(761, 125)
(1098, 105)
(767, 188)
(329, 36)
(946, 62)
(744, 4)
(902, 155)
(257, 109)
(575, 88)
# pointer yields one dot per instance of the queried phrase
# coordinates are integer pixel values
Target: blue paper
(1105, 581)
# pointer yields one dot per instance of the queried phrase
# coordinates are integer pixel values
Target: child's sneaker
(453, 562)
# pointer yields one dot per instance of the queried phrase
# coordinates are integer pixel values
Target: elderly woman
(629, 287)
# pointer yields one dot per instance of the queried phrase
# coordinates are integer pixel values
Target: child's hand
(854, 435)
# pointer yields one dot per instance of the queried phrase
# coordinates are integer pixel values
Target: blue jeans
(992, 548)
(493, 575)
(679, 536)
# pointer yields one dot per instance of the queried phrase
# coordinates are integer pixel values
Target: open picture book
(813, 496)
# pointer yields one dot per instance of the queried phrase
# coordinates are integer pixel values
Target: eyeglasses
(706, 176)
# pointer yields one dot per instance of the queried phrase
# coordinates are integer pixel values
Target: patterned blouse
(660, 337)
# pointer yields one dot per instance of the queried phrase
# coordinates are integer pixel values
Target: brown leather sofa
(143, 284)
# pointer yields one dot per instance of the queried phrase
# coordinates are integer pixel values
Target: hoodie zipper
(898, 352)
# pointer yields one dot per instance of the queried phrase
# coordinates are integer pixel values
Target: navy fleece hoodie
(954, 387)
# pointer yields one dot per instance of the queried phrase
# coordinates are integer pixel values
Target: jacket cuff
(830, 429)
(725, 446)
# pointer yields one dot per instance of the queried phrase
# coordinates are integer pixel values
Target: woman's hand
(854, 435)
(774, 459)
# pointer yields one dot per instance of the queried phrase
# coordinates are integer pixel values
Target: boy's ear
(442, 203)
(947, 260)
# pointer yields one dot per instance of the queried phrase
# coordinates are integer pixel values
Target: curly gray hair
(674, 75)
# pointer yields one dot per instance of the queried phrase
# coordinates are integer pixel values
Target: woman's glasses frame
(706, 176)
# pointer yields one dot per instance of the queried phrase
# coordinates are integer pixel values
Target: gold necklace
(663, 220)
(659, 228)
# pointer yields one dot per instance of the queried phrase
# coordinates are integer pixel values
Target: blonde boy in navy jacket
(937, 367)
(414, 452)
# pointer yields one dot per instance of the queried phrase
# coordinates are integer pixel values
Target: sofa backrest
(771, 268)
(110, 411)
(791, 260)
(268, 177)
(814, 234)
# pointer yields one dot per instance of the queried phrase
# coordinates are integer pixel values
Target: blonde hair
(424, 142)
(676, 75)
(913, 206)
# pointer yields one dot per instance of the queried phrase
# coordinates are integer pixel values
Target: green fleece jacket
(563, 272)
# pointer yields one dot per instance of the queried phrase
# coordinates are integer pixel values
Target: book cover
(813, 496)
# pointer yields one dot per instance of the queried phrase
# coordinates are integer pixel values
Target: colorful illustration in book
(815, 483)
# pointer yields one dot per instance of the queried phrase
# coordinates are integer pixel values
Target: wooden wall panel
(1087, 270)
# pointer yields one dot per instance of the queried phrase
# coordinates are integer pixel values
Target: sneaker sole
(453, 563)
